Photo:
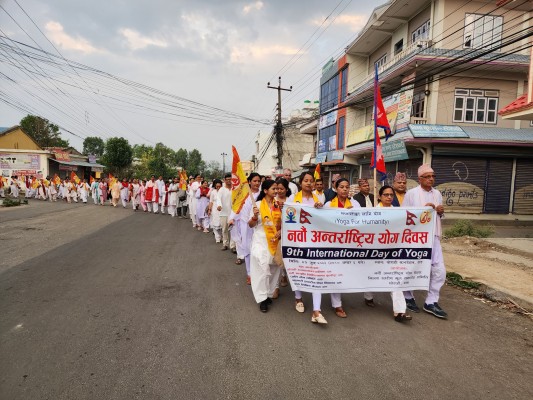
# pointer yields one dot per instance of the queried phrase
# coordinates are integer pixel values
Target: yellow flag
(57, 180)
(74, 177)
(317, 172)
(183, 180)
(239, 184)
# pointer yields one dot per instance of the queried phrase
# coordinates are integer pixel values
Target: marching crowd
(254, 232)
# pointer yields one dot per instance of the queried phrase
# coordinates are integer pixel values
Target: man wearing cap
(330, 193)
(364, 197)
(400, 187)
(425, 195)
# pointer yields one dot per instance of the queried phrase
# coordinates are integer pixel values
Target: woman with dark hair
(265, 220)
(214, 214)
(306, 197)
(283, 193)
(341, 200)
(244, 233)
(202, 213)
(399, 306)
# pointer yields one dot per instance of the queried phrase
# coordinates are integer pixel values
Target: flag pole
(375, 133)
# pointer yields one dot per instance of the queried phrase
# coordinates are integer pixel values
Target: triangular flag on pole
(239, 183)
(317, 172)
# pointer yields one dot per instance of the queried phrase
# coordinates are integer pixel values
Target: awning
(78, 163)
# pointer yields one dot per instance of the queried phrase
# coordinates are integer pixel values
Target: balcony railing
(419, 121)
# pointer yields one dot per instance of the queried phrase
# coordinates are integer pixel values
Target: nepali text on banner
(357, 250)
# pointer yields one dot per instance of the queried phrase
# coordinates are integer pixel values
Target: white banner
(357, 250)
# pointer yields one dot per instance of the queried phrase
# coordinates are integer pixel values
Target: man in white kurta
(173, 197)
(193, 201)
(135, 194)
(426, 195)
(83, 191)
(223, 204)
(152, 196)
(162, 191)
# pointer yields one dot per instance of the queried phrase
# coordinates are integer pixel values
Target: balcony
(422, 57)
(418, 121)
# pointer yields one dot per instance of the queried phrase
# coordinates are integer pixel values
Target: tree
(93, 145)
(213, 170)
(42, 131)
(182, 158)
(195, 164)
(141, 151)
(118, 154)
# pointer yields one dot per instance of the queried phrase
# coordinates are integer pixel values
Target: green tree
(42, 131)
(94, 145)
(118, 155)
(141, 151)
(195, 164)
(213, 170)
(182, 158)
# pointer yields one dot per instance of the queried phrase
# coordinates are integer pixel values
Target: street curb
(501, 296)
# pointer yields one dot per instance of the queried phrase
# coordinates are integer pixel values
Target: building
(65, 161)
(445, 67)
(295, 145)
(20, 155)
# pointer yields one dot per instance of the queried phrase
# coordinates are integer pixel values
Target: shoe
(248, 280)
(268, 300)
(339, 312)
(224, 248)
(263, 306)
(411, 305)
(435, 310)
(319, 319)
(283, 281)
(370, 303)
(275, 295)
(206, 230)
(400, 317)
(239, 261)
(300, 306)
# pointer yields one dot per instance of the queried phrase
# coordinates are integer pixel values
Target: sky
(219, 54)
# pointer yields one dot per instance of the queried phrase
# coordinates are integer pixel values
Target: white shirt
(224, 200)
(293, 187)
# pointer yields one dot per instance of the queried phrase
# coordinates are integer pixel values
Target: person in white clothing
(425, 195)
(83, 191)
(162, 191)
(319, 190)
(386, 196)
(15, 186)
(287, 174)
(223, 204)
(124, 192)
(214, 214)
(52, 191)
(193, 201)
(173, 197)
(135, 190)
(265, 219)
(152, 195)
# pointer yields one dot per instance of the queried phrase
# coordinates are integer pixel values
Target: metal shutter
(498, 186)
(523, 191)
(461, 180)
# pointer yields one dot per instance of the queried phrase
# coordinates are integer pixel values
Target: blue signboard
(320, 157)
(437, 131)
(335, 155)
(394, 151)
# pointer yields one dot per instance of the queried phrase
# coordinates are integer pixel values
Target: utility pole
(278, 129)
(223, 163)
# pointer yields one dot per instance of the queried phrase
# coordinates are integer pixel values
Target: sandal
(339, 312)
(239, 261)
(400, 317)
(300, 306)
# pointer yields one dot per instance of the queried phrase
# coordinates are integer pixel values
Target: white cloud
(136, 41)
(246, 52)
(251, 7)
(57, 35)
(355, 22)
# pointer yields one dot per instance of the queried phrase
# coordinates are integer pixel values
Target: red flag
(317, 172)
(380, 121)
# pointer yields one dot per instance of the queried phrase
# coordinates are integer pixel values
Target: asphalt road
(143, 307)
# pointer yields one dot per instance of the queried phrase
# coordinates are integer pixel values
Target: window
(340, 136)
(482, 31)
(419, 100)
(398, 47)
(329, 94)
(381, 61)
(475, 106)
(344, 84)
(326, 139)
(421, 33)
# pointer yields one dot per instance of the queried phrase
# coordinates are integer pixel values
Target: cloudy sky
(219, 54)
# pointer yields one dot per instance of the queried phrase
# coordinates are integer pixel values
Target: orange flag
(183, 180)
(317, 171)
(74, 177)
(57, 180)
(239, 183)
(91, 180)
(112, 180)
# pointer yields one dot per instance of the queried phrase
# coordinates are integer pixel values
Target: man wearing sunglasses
(426, 195)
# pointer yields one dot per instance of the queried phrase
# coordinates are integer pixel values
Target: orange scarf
(271, 220)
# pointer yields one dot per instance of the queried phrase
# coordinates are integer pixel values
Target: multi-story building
(445, 69)
(295, 146)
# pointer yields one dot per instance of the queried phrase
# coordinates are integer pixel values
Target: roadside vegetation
(465, 227)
